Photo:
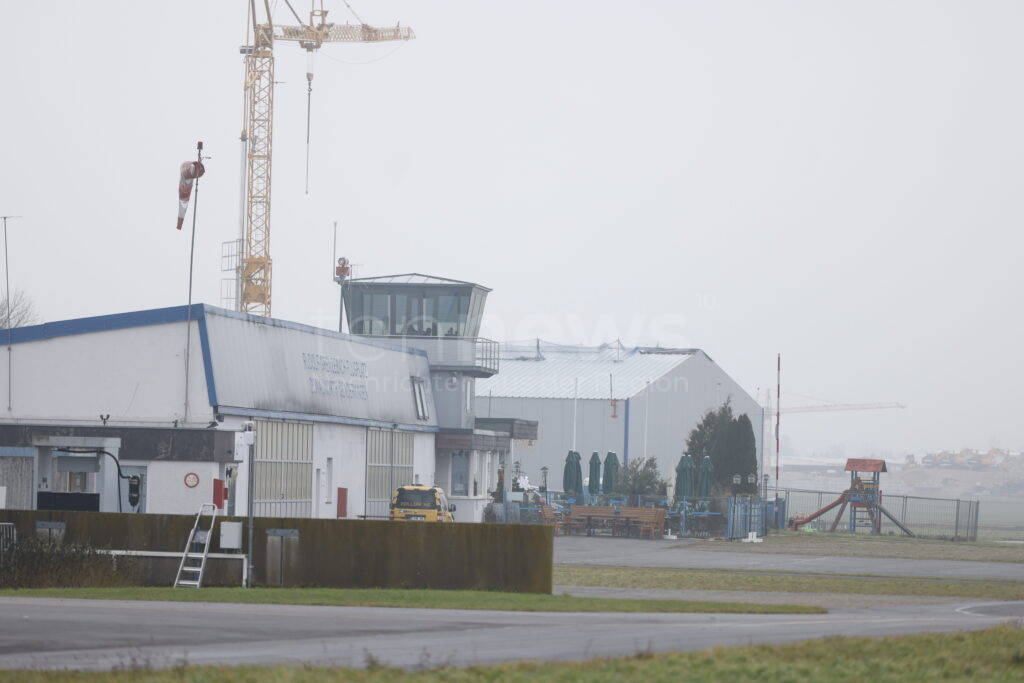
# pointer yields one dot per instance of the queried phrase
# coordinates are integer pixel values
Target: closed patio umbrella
(569, 474)
(706, 472)
(594, 487)
(684, 479)
(611, 472)
(577, 472)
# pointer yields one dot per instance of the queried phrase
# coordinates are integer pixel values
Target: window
(419, 393)
(330, 478)
(460, 474)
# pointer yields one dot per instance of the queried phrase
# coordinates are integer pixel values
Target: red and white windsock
(190, 170)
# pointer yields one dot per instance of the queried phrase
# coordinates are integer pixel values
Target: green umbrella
(594, 487)
(706, 473)
(577, 472)
(611, 472)
(691, 475)
(682, 480)
(568, 474)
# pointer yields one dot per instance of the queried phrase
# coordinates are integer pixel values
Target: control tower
(441, 317)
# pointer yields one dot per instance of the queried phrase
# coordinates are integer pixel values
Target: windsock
(190, 170)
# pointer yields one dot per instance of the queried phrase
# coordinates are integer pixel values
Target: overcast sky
(836, 181)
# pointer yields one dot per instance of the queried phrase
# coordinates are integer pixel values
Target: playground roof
(865, 465)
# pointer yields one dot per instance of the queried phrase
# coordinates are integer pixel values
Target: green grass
(993, 655)
(722, 579)
(435, 599)
(863, 545)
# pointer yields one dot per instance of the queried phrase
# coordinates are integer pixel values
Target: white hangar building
(633, 401)
(340, 420)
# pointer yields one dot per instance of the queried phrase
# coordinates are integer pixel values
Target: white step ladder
(193, 559)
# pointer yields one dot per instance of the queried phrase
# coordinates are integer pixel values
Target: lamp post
(249, 438)
(7, 275)
(544, 483)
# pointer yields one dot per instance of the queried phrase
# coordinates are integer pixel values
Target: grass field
(437, 599)
(684, 579)
(992, 655)
(854, 545)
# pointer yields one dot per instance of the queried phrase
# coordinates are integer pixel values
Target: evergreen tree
(702, 438)
(730, 443)
(639, 477)
(745, 454)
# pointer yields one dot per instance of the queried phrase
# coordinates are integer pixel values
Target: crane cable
(353, 12)
(309, 109)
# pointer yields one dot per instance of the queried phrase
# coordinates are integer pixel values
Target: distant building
(634, 401)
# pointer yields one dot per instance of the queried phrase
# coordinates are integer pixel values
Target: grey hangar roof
(608, 371)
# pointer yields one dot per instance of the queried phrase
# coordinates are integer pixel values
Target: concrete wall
(453, 398)
(342, 553)
(346, 446)
(166, 491)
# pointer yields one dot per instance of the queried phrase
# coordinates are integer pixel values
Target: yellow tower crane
(251, 258)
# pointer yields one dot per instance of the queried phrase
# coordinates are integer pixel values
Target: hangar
(636, 401)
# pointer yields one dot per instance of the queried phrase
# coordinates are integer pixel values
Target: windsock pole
(191, 172)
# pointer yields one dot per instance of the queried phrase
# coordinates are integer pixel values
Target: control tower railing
(472, 355)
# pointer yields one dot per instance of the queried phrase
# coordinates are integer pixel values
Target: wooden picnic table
(622, 521)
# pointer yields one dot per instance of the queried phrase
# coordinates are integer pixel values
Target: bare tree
(23, 310)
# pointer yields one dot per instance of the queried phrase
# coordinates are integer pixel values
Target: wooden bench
(588, 518)
(548, 516)
(648, 522)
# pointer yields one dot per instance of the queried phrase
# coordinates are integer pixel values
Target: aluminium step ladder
(193, 559)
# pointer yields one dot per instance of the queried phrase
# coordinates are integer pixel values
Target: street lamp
(544, 478)
(7, 275)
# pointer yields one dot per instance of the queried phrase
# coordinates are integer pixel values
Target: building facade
(158, 402)
(636, 402)
(166, 393)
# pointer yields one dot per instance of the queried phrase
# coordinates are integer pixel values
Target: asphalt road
(45, 633)
(583, 550)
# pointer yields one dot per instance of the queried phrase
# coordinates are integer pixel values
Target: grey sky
(838, 181)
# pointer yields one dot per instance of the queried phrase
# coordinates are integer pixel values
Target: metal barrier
(928, 517)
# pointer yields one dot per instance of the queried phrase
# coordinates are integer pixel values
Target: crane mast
(252, 263)
(254, 269)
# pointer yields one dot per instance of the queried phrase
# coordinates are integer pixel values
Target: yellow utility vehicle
(421, 504)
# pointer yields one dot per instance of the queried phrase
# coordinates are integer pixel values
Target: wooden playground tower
(864, 498)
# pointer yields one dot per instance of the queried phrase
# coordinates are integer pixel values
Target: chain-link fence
(927, 517)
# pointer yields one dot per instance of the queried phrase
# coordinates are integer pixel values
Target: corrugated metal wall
(388, 465)
(16, 475)
(284, 469)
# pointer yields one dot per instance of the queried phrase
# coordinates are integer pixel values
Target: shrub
(37, 563)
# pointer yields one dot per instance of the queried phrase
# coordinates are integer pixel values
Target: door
(388, 466)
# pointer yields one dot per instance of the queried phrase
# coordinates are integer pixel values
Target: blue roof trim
(332, 419)
(204, 342)
(104, 323)
(174, 314)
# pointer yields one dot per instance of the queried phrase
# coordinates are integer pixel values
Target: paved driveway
(99, 634)
(584, 550)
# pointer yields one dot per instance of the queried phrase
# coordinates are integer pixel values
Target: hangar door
(284, 469)
(388, 465)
